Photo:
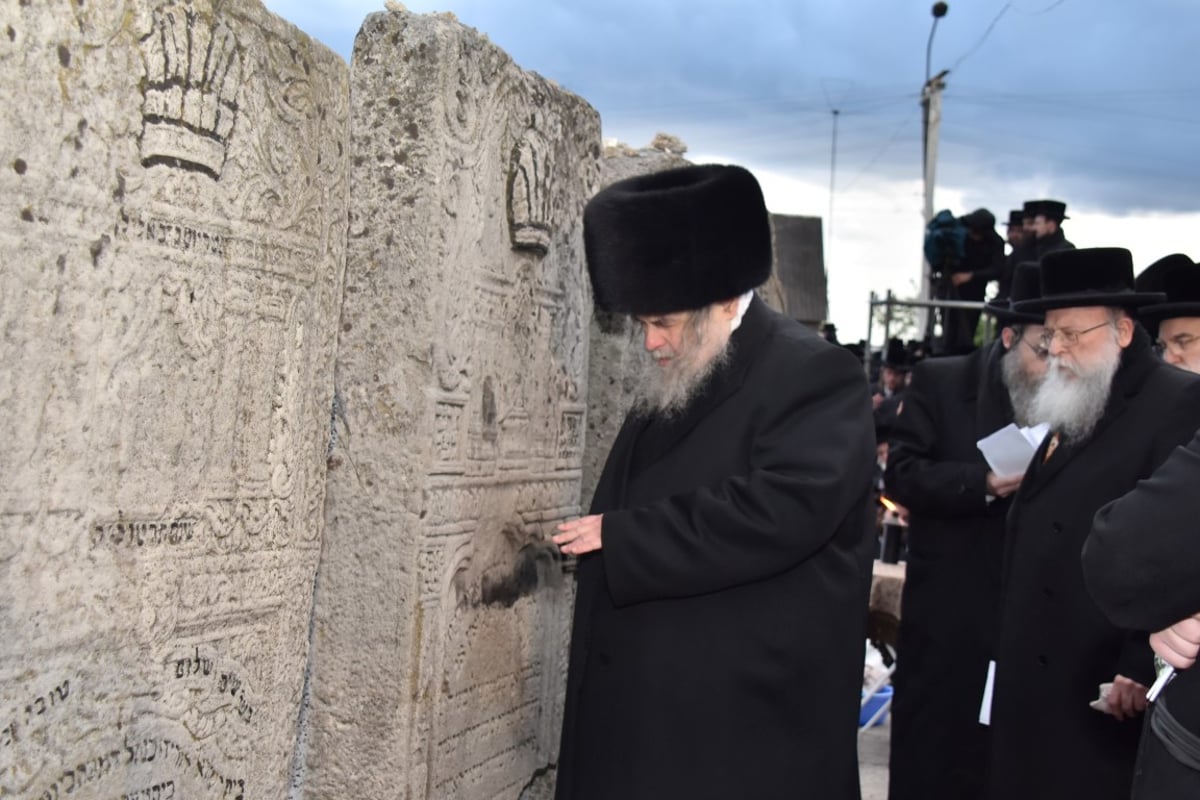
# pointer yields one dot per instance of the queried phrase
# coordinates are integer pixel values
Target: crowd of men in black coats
(1035, 603)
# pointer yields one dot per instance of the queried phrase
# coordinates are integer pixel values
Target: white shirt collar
(743, 304)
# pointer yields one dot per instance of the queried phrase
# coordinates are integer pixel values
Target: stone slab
(173, 193)
(442, 613)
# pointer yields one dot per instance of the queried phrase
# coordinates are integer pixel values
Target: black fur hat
(1095, 276)
(677, 240)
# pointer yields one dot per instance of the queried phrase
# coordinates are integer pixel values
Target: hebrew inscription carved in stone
(168, 340)
(440, 586)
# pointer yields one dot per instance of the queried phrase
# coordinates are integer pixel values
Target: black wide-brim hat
(1180, 279)
(1154, 277)
(896, 356)
(1026, 286)
(1050, 209)
(1096, 276)
(677, 240)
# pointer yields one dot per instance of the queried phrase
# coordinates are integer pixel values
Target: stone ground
(873, 760)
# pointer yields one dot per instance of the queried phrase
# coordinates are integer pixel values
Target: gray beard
(1073, 405)
(1022, 388)
(668, 391)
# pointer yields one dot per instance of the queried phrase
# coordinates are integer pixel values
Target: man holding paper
(956, 527)
(1115, 412)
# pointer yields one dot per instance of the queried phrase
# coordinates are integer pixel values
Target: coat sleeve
(991, 262)
(916, 477)
(1142, 558)
(810, 467)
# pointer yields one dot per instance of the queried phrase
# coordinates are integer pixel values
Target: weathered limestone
(442, 613)
(800, 268)
(173, 192)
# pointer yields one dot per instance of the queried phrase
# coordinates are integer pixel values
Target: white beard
(668, 390)
(1072, 400)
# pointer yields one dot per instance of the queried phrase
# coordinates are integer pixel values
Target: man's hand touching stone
(579, 536)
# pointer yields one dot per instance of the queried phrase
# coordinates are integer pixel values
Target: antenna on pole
(832, 173)
(931, 116)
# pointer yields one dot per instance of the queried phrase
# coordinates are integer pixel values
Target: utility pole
(832, 172)
(931, 117)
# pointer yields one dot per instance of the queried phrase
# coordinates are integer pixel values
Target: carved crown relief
(529, 206)
(193, 71)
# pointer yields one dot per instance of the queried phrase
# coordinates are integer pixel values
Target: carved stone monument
(800, 268)
(173, 194)
(439, 646)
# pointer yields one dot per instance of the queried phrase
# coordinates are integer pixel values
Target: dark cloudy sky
(1096, 102)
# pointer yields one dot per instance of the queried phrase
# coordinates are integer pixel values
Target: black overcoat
(1055, 646)
(1052, 243)
(1142, 565)
(718, 638)
(952, 581)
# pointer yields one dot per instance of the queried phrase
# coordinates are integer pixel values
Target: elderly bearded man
(955, 545)
(1115, 412)
(1176, 322)
(724, 568)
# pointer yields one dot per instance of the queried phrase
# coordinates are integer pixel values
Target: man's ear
(727, 308)
(1125, 330)
(1007, 337)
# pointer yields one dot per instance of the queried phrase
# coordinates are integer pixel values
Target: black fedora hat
(677, 240)
(1153, 277)
(1026, 285)
(1050, 209)
(1094, 276)
(1180, 279)
(896, 356)
(1015, 217)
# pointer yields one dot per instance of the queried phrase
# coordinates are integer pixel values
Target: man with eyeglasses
(1178, 319)
(956, 533)
(1115, 413)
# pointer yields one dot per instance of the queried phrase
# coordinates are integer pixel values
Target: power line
(878, 155)
(983, 38)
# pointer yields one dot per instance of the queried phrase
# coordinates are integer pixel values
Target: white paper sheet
(1009, 450)
(985, 705)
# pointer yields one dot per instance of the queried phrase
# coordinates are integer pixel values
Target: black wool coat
(718, 637)
(952, 581)
(1055, 645)
(1049, 244)
(1142, 565)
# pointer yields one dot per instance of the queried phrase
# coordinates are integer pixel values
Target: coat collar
(1137, 361)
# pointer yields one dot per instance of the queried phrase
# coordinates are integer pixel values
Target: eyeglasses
(1069, 337)
(1176, 345)
(1038, 350)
